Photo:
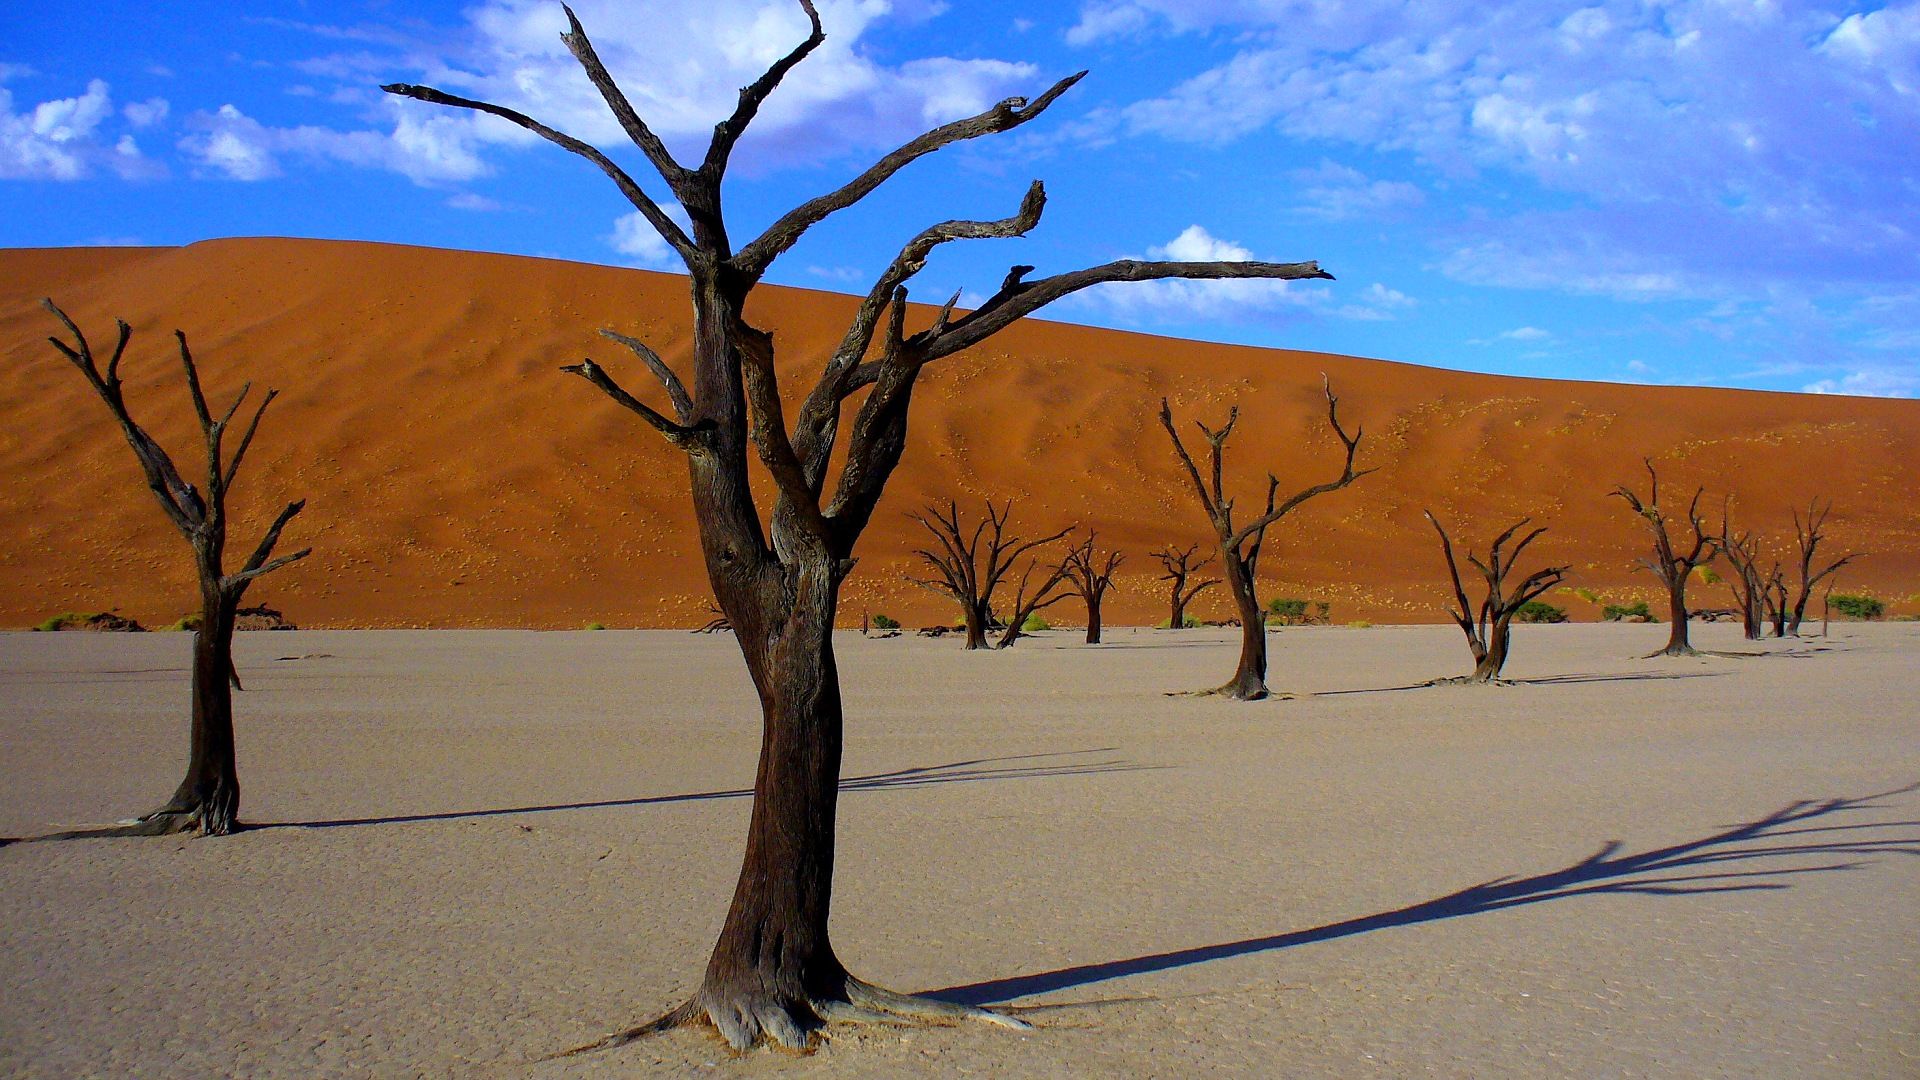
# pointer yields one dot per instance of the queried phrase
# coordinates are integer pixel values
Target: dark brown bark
(776, 573)
(1051, 590)
(1673, 565)
(1747, 583)
(1489, 627)
(1239, 545)
(208, 798)
(1089, 576)
(970, 565)
(1180, 567)
(1808, 532)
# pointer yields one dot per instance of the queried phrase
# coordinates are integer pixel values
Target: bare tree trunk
(976, 619)
(1093, 620)
(1249, 682)
(1677, 643)
(210, 791)
(774, 956)
(1486, 667)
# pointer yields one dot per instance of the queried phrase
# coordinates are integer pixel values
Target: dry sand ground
(514, 841)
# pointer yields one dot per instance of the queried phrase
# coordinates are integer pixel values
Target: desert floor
(488, 846)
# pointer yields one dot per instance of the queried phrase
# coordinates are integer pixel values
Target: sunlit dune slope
(455, 477)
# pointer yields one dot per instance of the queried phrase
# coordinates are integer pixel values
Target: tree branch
(693, 439)
(668, 229)
(728, 131)
(753, 260)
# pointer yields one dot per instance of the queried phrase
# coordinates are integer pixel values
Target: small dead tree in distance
(208, 798)
(1672, 565)
(1179, 566)
(1489, 628)
(957, 564)
(1748, 585)
(1240, 545)
(773, 973)
(1090, 576)
(1807, 534)
(1052, 589)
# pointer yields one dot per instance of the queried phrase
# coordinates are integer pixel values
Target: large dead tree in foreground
(1240, 544)
(1673, 565)
(1089, 576)
(208, 798)
(961, 572)
(1489, 627)
(774, 974)
(1807, 534)
(1180, 566)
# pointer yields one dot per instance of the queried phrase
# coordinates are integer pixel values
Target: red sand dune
(455, 478)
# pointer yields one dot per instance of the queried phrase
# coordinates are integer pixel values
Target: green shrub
(1857, 606)
(1360, 624)
(1616, 612)
(885, 622)
(1588, 595)
(1035, 622)
(1187, 622)
(64, 620)
(1539, 611)
(595, 626)
(184, 622)
(1289, 611)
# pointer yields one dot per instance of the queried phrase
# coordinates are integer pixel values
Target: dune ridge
(455, 478)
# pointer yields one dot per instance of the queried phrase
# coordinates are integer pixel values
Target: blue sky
(1720, 192)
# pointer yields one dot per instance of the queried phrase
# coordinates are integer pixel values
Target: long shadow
(1651, 873)
(953, 772)
(1547, 680)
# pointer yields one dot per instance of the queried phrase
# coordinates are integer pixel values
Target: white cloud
(426, 149)
(62, 139)
(1525, 333)
(1878, 382)
(682, 63)
(467, 200)
(1337, 192)
(143, 114)
(1709, 145)
(634, 237)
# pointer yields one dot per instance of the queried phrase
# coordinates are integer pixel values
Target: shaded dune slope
(455, 478)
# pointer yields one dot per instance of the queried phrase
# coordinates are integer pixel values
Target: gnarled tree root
(1235, 691)
(796, 1025)
(169, 820)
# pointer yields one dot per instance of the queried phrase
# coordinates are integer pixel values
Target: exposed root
(1685, 650)
(1469, 680)
(797, 1026)
(1235, 691)
(166, 821)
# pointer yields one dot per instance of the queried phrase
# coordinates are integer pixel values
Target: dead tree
(1776, 593)
(208, 798)
(777, 573)
(1089, 576)
(1489, 627)
(1052, 589)
(957, 562)
(1808, 533)
(1747, 583)
(1179, 566)
(1240, 544)
(1672, 565)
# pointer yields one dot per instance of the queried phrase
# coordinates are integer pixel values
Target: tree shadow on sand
(1545, 680)
(1737, 859)
(954, 772)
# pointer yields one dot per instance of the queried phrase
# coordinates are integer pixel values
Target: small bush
(1616, 612)
(1289, 611)
(91, 620)
(1360, 624)
(1035, 622)
(1539, 611)
(885, 622)
(1187, 622)
(1857, 606)
(1708, 576)
(1588, 595)
(184, 622)
(595, 626)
